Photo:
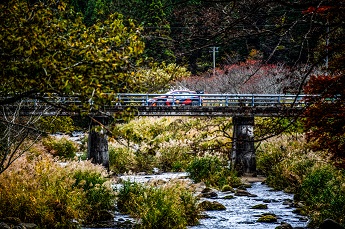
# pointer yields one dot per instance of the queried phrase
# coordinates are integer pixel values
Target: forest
(95, 49)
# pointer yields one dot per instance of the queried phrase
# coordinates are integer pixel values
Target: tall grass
(169, 206)
(285, 160)
(40, 190)
(290, 165)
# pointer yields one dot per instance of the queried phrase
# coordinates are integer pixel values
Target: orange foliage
(326, 116)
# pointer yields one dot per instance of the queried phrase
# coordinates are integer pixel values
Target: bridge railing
(213, 100)
(205, 100)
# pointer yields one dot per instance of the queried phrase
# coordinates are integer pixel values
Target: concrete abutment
(243, 157)
(97, 147)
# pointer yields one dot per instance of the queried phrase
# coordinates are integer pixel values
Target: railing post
(253, 101)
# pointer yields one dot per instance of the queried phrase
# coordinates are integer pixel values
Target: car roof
(181, 92)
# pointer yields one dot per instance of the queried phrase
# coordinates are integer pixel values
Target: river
(238, 213)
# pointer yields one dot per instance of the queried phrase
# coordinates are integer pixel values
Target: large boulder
(330, 224)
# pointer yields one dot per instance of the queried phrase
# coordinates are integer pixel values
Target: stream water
(238, 213)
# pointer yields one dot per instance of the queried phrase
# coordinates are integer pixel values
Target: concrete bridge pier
(97, 147)
(243, 152)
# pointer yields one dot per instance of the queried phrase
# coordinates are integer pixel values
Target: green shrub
(62, 147)
(285, 160)
(212, 171)
(121, 160)
(145, 161)
(169, 206)
(174, 158)
(323, 191)
(98, 196)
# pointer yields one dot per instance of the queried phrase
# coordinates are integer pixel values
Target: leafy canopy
(46, 48)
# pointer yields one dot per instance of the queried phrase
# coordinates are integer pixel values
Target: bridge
(241, 107)
(264, 105)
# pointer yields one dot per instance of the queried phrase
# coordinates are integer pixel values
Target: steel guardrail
(205, 104)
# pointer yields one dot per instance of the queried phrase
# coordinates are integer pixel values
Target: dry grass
(38, 188)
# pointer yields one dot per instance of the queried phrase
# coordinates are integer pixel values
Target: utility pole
(214, 50)
(327, 44)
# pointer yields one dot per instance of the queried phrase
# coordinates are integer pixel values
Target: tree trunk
(243, 152)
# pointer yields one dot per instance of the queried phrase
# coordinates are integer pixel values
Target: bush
(174, 158)
(285, 160)
(323, 191)
(210, 170)
(38, 189)
(290, 165)
(121, 160)
(98, 196)
(62, 147)
(169, 206)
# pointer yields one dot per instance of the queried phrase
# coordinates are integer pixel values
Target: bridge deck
(203, 105)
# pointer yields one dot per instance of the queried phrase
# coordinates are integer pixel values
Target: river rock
(242, 187)
(240, 192)
(198, 187)
(29, 225)
(206, 190)
(228, 197)
(209, 195)
(4, 226)
(15, 223)
(211, 206)
(284, 226)
(330, 224)
(105, 215)
(268, 218)
(288, 202)
(156, 171)
(260, 206)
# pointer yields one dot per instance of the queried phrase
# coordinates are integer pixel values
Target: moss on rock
(211, 206)
(268, 218)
